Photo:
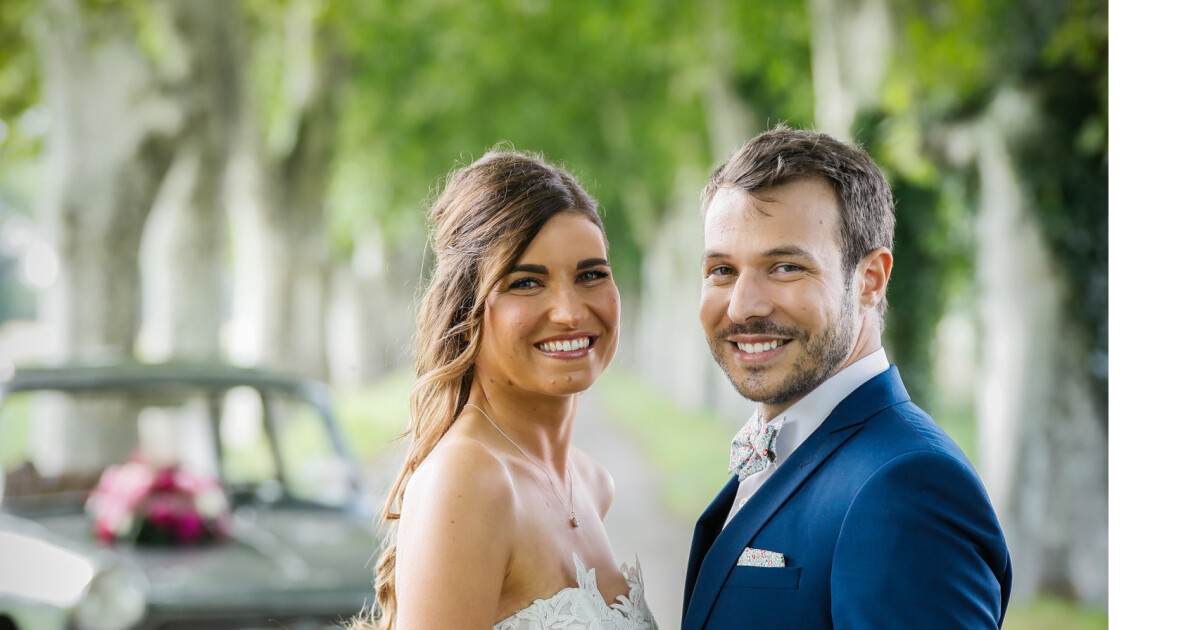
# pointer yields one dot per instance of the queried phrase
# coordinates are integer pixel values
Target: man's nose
(748, 300)
(567, 308)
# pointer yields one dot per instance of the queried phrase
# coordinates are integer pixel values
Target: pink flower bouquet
(167, 506)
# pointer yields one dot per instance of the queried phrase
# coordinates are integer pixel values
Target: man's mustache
(759, 327)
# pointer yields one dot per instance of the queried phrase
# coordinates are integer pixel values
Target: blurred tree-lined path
(245, 179)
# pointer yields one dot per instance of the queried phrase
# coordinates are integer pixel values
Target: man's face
(775, 305)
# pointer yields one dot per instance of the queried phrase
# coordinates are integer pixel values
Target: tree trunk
(186, 252)
(850, 44)
(296, 172)
(371, 310)
(1043, 448)
(299, 259)
(209, 31)
(108, 150)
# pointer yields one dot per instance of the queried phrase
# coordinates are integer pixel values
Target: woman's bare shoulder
(461, 467)
(455, 537)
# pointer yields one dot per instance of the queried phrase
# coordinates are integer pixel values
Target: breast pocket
(759, 597)
(764, 577)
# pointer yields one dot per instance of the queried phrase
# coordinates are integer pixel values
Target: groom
(851, 508)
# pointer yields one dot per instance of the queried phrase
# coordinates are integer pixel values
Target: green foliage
(952, 59)
(604, 88)
(619, 91)
(20, 82)
(19, 70)
(772, 61)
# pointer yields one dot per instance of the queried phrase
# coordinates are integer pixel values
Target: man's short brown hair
(783, 155)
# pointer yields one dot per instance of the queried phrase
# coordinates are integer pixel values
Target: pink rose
(189, 528)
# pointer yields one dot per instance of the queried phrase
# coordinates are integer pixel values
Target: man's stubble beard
(819, 359)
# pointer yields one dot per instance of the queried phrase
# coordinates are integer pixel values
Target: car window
(56, 444)
(14, 432)
(248, 463)
(313, 470)
(263, 448)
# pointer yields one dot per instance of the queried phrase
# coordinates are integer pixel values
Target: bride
(498, 518)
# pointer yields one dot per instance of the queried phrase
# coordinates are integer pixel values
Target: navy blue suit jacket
(882, 523)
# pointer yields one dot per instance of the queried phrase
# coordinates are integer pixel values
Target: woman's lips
(571, 346)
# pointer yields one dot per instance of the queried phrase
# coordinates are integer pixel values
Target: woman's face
(551, 325)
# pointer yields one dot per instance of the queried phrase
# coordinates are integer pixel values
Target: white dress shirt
(799, 421)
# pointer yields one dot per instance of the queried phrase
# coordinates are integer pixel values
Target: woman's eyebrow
(591, 262)
(527, 268)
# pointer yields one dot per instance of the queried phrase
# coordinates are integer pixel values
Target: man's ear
(874, 269)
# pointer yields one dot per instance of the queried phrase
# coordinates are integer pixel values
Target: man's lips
(757, 348)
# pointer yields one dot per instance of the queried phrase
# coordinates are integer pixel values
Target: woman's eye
(523, 283)
(592, 275)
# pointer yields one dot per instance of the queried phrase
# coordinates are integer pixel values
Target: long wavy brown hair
(484, 219)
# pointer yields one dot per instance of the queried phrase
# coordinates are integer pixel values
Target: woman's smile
(569, 346)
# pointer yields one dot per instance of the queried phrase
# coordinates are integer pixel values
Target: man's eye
(592, 275)
(788, 268)
(721, 270)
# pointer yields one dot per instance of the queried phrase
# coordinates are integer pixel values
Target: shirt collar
(800, 420)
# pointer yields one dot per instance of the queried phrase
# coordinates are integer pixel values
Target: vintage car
(297, 541)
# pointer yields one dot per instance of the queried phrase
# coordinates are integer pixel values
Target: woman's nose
(567, 308)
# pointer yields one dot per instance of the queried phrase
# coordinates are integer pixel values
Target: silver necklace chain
(570, 479)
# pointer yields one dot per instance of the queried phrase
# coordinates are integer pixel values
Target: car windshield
(262, 447)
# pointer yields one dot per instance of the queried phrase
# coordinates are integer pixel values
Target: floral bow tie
(753, 447)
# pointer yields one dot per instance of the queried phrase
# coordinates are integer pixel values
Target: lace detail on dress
(583, 607)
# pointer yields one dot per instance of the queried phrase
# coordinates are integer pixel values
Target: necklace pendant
(574, 520)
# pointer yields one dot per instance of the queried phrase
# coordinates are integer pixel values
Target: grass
(374, 415)
(1055, 614)
(690, 448)
(957, 419)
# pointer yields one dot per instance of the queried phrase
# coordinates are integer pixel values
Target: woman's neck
(541, 425)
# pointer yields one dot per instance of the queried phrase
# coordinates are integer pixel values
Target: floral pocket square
(760, 558)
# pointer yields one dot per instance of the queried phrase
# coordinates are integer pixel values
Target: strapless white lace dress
(583, 607)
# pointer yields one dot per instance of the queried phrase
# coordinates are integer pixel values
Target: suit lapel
(708, 526)
(881, 392)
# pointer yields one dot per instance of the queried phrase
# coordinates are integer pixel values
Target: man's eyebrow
(775, 252)
(530, 269)
(787, 250)
(591, 262)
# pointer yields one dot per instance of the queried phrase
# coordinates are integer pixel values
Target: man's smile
(756, 349)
